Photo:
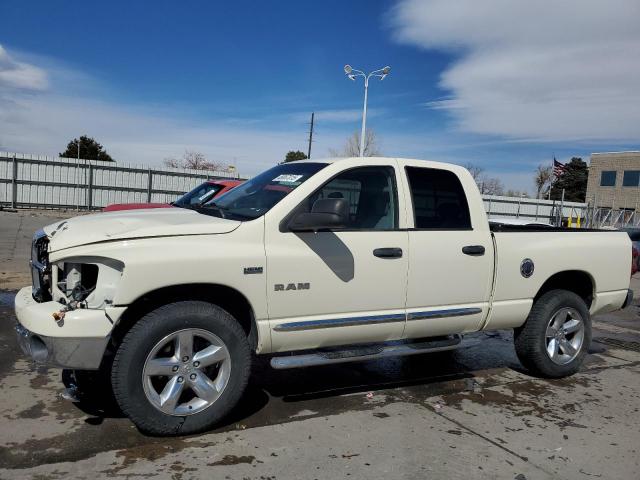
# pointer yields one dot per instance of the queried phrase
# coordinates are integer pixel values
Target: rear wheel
(181, 368)
(556, 336)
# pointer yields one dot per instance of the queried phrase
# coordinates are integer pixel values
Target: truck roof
(430, 163)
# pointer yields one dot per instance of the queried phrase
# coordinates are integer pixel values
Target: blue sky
(471, 81)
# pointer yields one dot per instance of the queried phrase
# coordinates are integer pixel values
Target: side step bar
(368, 352)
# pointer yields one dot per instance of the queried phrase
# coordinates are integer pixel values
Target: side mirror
(326, 213)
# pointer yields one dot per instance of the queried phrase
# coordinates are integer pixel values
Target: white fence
(532, 209)
(47, 182)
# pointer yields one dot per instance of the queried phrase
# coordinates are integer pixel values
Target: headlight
(86, 282)
(79, 280)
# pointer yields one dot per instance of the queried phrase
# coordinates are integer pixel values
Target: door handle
(474, 250)
(388, 252)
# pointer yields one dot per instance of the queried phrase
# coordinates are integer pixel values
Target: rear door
(450, 253)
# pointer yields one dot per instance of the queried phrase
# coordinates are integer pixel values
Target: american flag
(558, 168)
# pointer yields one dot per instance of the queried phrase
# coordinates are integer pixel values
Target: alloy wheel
(186, 372)
(564, 336)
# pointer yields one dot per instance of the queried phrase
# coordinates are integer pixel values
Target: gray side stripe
(339, 322)
(373, 319)
(451, 312)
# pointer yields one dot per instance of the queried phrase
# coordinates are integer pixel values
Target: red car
(198, 196)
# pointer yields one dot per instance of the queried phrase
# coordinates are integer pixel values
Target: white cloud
(42, 109)
(20, 76)
(44, 124)
(545, 70)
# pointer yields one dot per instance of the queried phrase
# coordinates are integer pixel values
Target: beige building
(614, 180)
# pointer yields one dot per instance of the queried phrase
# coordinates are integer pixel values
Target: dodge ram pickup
(312, 263)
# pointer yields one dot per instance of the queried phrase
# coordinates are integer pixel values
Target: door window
(371, 193)
(439, 201)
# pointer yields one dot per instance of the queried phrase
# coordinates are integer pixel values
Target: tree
(352, 146)
(475, 170)
(573, 181)
(516, 193)
(491, 186)
(542, 180)
(486, 185)
(89, 150)
(293, 156)
(194, 161)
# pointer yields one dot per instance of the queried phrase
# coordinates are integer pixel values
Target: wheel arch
(225, 297)
(577, 281)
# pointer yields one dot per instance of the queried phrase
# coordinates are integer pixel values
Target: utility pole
(310, 135)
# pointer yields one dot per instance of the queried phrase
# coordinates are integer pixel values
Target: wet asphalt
(479, 399)
(472, 413)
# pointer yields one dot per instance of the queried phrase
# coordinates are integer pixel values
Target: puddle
(7, 298)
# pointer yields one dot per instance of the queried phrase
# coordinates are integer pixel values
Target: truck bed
(599, 258)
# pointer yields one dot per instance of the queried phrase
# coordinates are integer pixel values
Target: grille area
(40, 268)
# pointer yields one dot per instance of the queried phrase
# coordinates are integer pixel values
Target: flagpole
(562, 209)
(553, 175)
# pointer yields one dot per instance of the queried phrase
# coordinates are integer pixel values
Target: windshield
(198, 195)
(257, 196)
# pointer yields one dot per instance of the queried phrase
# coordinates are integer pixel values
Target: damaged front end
(65, 318)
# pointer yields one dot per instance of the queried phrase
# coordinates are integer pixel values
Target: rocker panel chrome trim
(451, 312)
(339, 322)
(373, 319)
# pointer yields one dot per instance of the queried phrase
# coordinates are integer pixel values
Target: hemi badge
(252, 270)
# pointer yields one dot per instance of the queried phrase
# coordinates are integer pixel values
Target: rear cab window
(439, 201)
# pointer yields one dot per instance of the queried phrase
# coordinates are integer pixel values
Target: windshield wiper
(225, 212)
(206, 209)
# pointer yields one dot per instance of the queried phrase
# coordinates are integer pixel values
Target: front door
(343, 286)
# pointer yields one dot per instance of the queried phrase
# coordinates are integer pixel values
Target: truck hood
(131, 224)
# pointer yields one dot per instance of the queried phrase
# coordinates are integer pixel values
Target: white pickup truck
(312, 262)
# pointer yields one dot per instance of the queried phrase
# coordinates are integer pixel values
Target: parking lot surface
(473, 413)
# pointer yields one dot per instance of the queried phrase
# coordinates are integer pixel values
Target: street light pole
(78, 178)
(364, 116)
(352, 74)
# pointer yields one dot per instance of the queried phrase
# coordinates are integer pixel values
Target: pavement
(16, 231)
(472, 413)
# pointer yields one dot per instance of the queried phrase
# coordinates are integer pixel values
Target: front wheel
(181, 368)
(556, 336)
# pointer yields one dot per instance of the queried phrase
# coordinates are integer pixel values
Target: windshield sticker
(206, 195)
(287, 178)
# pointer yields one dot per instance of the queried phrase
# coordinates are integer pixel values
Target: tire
(139, 389)
(90, 385)
(533, 340)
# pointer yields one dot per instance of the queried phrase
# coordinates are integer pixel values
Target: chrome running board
(366, 352)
